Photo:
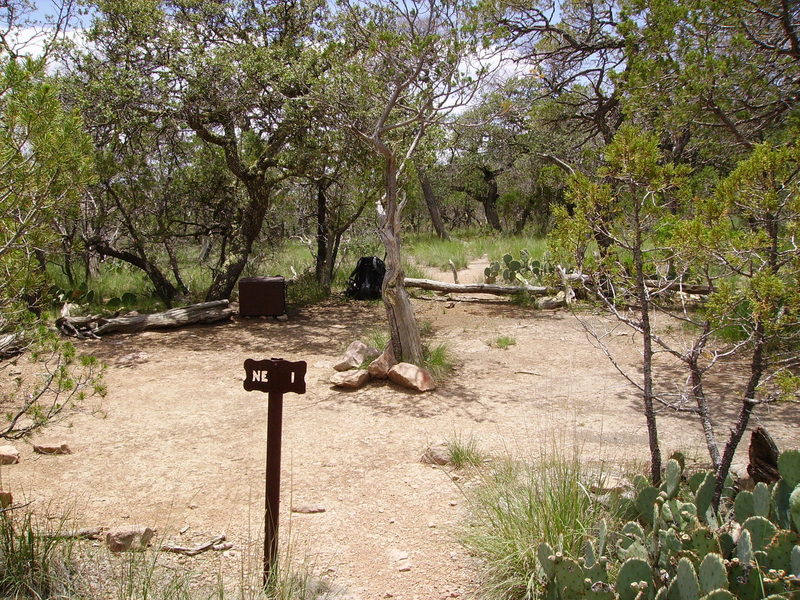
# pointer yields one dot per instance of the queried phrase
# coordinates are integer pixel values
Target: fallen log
(11, 344)
(94, 326)
(476, 288)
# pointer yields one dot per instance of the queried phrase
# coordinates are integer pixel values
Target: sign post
(276, 377)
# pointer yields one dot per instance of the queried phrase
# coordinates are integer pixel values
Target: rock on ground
(356, 353)
(350, 379)
(437, 454)
(379, 368)
(52, 449)
(412, 377)
(9, 455)
(129, 537)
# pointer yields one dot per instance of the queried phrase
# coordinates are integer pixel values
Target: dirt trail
(180, 444)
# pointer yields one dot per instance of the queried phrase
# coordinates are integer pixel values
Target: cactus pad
(684, 586)
(761, 531)
(761, 500)
(721, 594)
(672, 478)
(696, 480)
(645, 501)
(794, 507)
(589, 555)
(634, 570)
(744, 548)
(543, 553)
(789, 467)
(780, 504)
(744, 581)
(744, 506)
(705, 494)
(779, 550)
(570, 579)
(712, 574)
(702, 541)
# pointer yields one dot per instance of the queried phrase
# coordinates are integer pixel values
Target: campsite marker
(276, 377)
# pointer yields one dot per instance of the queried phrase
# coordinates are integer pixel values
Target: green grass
(464, 452)
(34, 562)
(377, 337)
(466, 246)
(433, 251)
(120, 286)
(516, 507)
(38, 560)
(438, 359)
(503, 342)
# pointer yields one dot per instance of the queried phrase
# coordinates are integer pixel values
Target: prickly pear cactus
(712, 574)
(545, 555)
(513, 270)
(789, 467)
(672, 478)
(685, 585)
(632, 574)
(794, 507)
(744, 506)
(703, 498)
(761, 531)
(761, 500)
(721, 594)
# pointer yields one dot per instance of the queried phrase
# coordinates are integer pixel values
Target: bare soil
(179, 445)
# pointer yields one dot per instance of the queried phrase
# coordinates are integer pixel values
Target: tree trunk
(322, 236)
(432, 203)
(163, 286)
(241, 242)
(406, 341)
(698, 393)
(748, 403)
(489, 200)
(647, 348)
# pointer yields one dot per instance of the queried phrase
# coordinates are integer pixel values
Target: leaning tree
(405, 69)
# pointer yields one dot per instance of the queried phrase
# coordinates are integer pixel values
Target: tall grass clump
(433, 251)
(34, 561)
(495, 247)
(516, 507)
(438, 359)
(463, 451)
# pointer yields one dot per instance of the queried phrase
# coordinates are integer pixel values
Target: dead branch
(196, 550)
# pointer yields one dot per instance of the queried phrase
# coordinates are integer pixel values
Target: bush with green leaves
(679, 548)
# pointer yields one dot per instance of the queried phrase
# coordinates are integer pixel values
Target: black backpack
(366, 279)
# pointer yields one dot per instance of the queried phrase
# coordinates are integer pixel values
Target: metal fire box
(262, 296)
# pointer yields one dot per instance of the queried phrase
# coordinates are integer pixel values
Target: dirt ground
(179, 445)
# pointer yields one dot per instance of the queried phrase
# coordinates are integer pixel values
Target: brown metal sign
(276, 377)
